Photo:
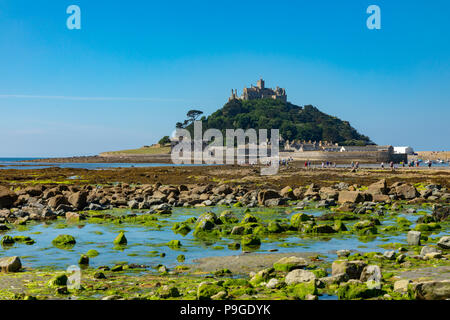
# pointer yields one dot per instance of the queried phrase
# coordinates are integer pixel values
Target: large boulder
(444, 242)
(287, 192)
(265, 195)
(406, 191)
(10, 264)
(7, 197)
(328, 193)
(33, 191)
(379, 187)
(78, 200)
(299, 276)
(351, 197)
(432, 290)
(427, 249)
(413, 238)
(401, 286)
(441, 213)
(380, 198)
(290, 263)
(56, 201)
(222, 189)
(372, 275)
(352, 268)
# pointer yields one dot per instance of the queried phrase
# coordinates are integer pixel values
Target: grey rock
(273, 283)
(425, 250)
(343, 253)
(401, 286)
(444, 242)
(299, 276)
(335, 279)
(413, 238)
(10, 264)
(390, 255)
(432, 290)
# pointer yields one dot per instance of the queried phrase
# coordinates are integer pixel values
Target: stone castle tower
(260, 92)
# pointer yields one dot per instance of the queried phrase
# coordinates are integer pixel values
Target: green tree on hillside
(294, 122)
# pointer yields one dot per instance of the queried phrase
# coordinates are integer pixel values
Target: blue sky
(136, 67)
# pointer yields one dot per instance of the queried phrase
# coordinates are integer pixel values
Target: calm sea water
(17, 163)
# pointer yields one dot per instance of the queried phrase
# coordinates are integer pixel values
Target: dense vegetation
(294, 122)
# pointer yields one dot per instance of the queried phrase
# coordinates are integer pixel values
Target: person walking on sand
(391, 164)
(429, 164)
(382, 165)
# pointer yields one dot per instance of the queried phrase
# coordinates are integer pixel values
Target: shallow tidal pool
(146, 243)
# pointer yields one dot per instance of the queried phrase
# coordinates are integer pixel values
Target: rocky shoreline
(47, 202)
(347, 209)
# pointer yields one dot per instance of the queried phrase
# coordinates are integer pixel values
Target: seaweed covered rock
(84, 260)
(261, 276)
(353, 291)
(275, 227)
(298, 219)
(181, 228)
(339, 226)
(250, 241)
(365, 227)
(287, 264)
(58, 281)
(64, 240)
(7, 241)
(121, 239)
(227, 217)
(206, 290)
(174, 244)
(166, 292)
(205, 224)
(303, 290)
(322, 228)
(249, 218)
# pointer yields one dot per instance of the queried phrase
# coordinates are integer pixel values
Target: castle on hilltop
(260, 92)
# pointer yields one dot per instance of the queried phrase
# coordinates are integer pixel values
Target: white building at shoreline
(403, 150)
